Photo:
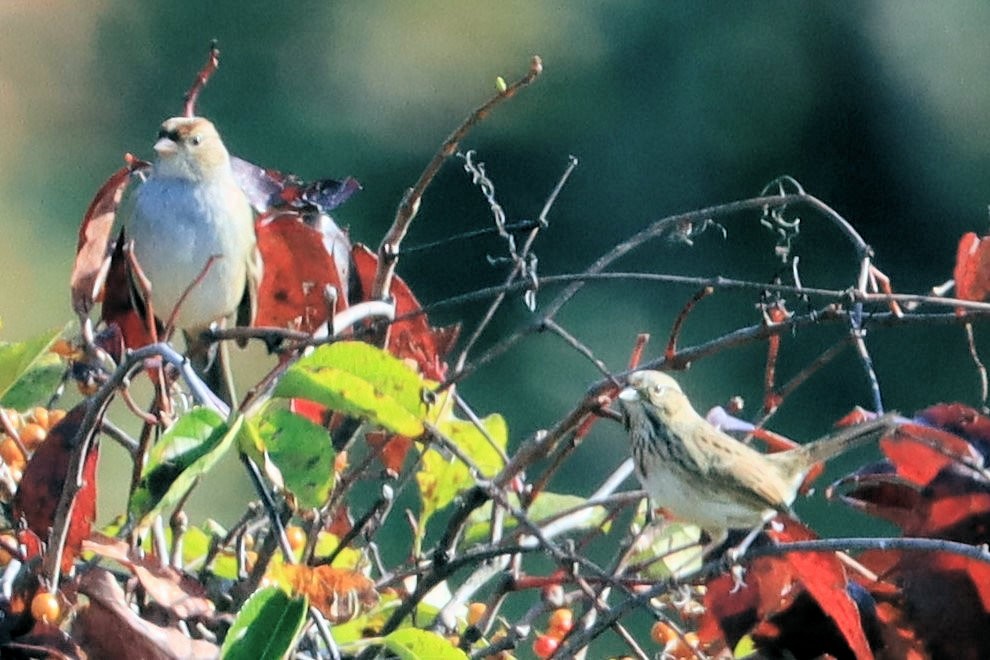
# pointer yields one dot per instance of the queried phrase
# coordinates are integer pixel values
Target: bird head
(190, 148)
(652, 387)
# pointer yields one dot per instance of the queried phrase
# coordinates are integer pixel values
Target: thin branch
(96, 406)
(388, 250)
(580, 347)
(518, 268)
(212, 62)
(675, 330)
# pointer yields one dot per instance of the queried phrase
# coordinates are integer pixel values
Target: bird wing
(747, 474)
(247, 310)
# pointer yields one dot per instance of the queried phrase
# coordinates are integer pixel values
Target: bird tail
(210, 361)
(844, 440)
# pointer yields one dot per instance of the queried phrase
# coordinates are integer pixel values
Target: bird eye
(195, 140)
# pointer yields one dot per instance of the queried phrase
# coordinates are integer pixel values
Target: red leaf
(297, 271)
(341, 524)
(411, 337)
(731, 613)
(920, 452)
(118, 308)
(94, 237)
(767, 607)
(941, 603)
(823, 576)
(916, 462)
(877, 490)
(314, 412)
(392, 449)
(972, 271)
(960, 420)
(46, 475)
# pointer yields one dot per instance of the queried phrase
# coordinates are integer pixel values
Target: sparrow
(193, 235)
(704, 476)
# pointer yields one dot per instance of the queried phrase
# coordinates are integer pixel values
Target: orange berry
(662, 632)
(544, 646)
(296, 536)
(9, 541)
(561, 622)
(476, 612)
(45, 607)
(40, 416)
(12, 454)
(17, 604)
(340, 462)
(56, 415)
(683, 648)
(33, 434)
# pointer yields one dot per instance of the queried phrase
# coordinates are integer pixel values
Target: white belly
(176, 229)
(688, 500)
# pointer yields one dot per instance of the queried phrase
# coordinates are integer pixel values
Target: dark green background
(879, 108)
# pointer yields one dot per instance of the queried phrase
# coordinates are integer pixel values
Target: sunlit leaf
(29, 371)
(339, 593)
(442, 477)
(360, 380)
(545, 507)
(667, 550)
(416, 644)
(187, 451)
(266, 627)
(302, 453)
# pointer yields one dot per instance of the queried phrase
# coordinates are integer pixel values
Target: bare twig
(212, 62)
(388, 250)
(519, 268)
(675, 330)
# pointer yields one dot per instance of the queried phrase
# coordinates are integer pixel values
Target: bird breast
(177, 225)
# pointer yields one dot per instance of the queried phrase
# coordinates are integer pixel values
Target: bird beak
(629, 394)
(166, 147)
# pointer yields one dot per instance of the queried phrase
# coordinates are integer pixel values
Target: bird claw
(738, 574)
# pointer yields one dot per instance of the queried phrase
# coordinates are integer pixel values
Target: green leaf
(360, 380)
(545, 507)
(187, 451)
(442, 478)
(266, 627)
(29, 371)
(668, 550)
(302, 453)
(416, 644)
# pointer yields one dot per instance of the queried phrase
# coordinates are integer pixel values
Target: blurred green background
(877, 107)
